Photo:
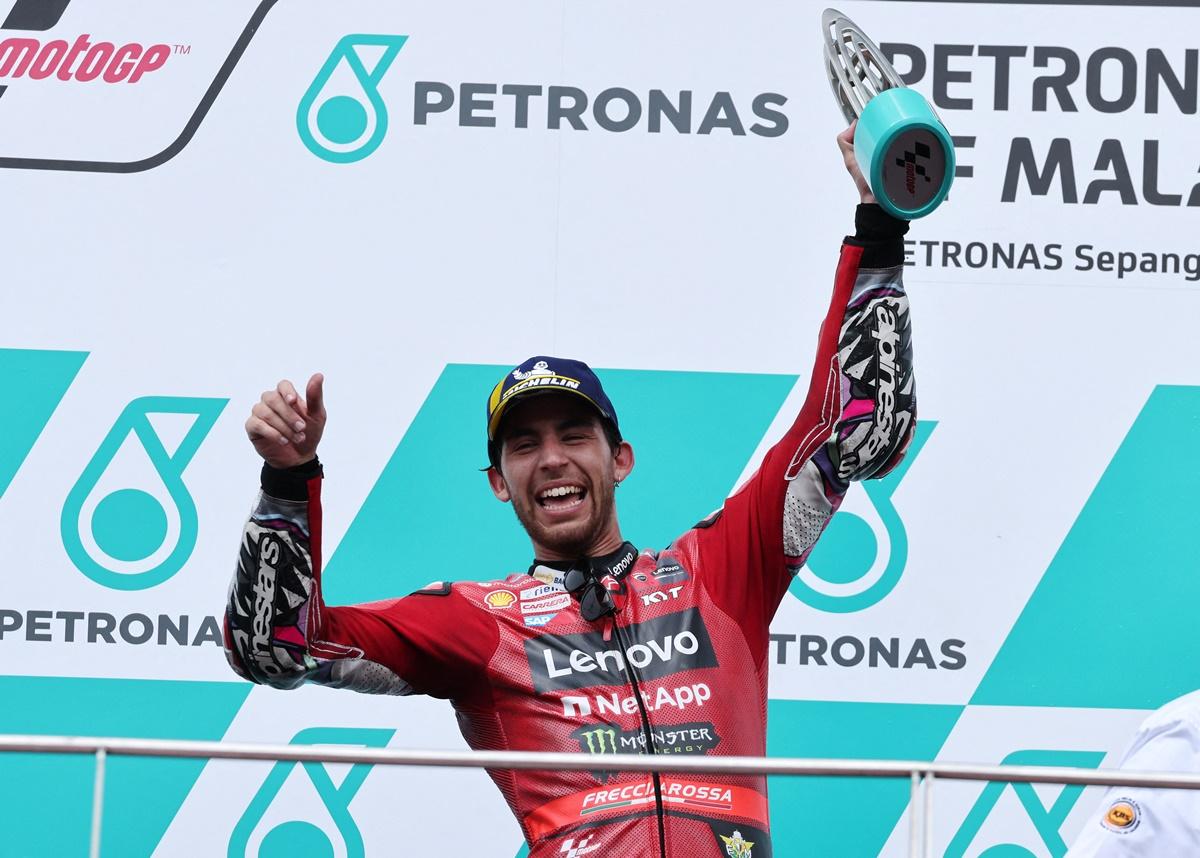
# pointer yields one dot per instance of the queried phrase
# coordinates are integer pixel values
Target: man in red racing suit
(621, 651)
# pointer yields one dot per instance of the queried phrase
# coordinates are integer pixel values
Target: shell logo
(498, 599)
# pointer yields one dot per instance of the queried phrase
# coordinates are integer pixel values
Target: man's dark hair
(610, 432)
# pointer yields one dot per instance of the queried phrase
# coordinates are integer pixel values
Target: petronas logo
(600, 740)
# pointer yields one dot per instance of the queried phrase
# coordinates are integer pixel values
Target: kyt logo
(1046, 820)
(298, 836)
(860, 557)
(341, 117)
(129, 522)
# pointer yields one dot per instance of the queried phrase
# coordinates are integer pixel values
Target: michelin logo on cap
(539, 368)
(539, 374)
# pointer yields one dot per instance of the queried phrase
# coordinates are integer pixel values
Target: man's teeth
(561, 491)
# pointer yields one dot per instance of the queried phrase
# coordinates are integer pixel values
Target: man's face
(557, 468)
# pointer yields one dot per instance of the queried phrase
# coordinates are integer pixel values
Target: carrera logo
(663, 646)
(550, 603)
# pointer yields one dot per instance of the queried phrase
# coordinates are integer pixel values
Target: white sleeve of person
(1133, 821)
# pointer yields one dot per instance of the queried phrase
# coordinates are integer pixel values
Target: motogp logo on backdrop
(861, 556)
(39, 66)
(129, 522)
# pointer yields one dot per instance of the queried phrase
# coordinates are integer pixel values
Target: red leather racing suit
(682, 665)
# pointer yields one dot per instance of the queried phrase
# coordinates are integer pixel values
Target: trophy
(901, 145)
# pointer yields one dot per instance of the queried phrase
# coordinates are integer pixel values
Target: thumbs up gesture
(285, 428)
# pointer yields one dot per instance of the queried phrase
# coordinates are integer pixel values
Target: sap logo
(660, 596)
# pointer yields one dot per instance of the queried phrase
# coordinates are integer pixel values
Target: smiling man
(557, 455)
(599, 647)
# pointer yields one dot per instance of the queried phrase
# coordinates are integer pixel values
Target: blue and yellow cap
(542, 374)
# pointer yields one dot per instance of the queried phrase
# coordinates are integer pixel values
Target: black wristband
(290, 483)
(880, 235)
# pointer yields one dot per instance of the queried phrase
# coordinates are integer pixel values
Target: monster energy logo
(698, 737)
(598, 740)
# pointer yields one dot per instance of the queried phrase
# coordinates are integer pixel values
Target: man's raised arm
(278, 630)
(856, 422)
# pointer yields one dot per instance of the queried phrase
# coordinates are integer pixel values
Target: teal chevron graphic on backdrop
(36, 382)
(1046, 820)
(52, 794)
(1111, 621)
(846, 817)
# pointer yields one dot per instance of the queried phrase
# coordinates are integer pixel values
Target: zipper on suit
(631, 675)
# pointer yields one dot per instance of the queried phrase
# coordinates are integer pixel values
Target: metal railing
(921, 775)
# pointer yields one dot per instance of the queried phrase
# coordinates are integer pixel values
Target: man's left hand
(846, 144)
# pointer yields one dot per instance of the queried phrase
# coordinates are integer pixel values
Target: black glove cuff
(290, 483)
(880, 235)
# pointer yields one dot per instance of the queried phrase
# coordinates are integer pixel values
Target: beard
(572, 539)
